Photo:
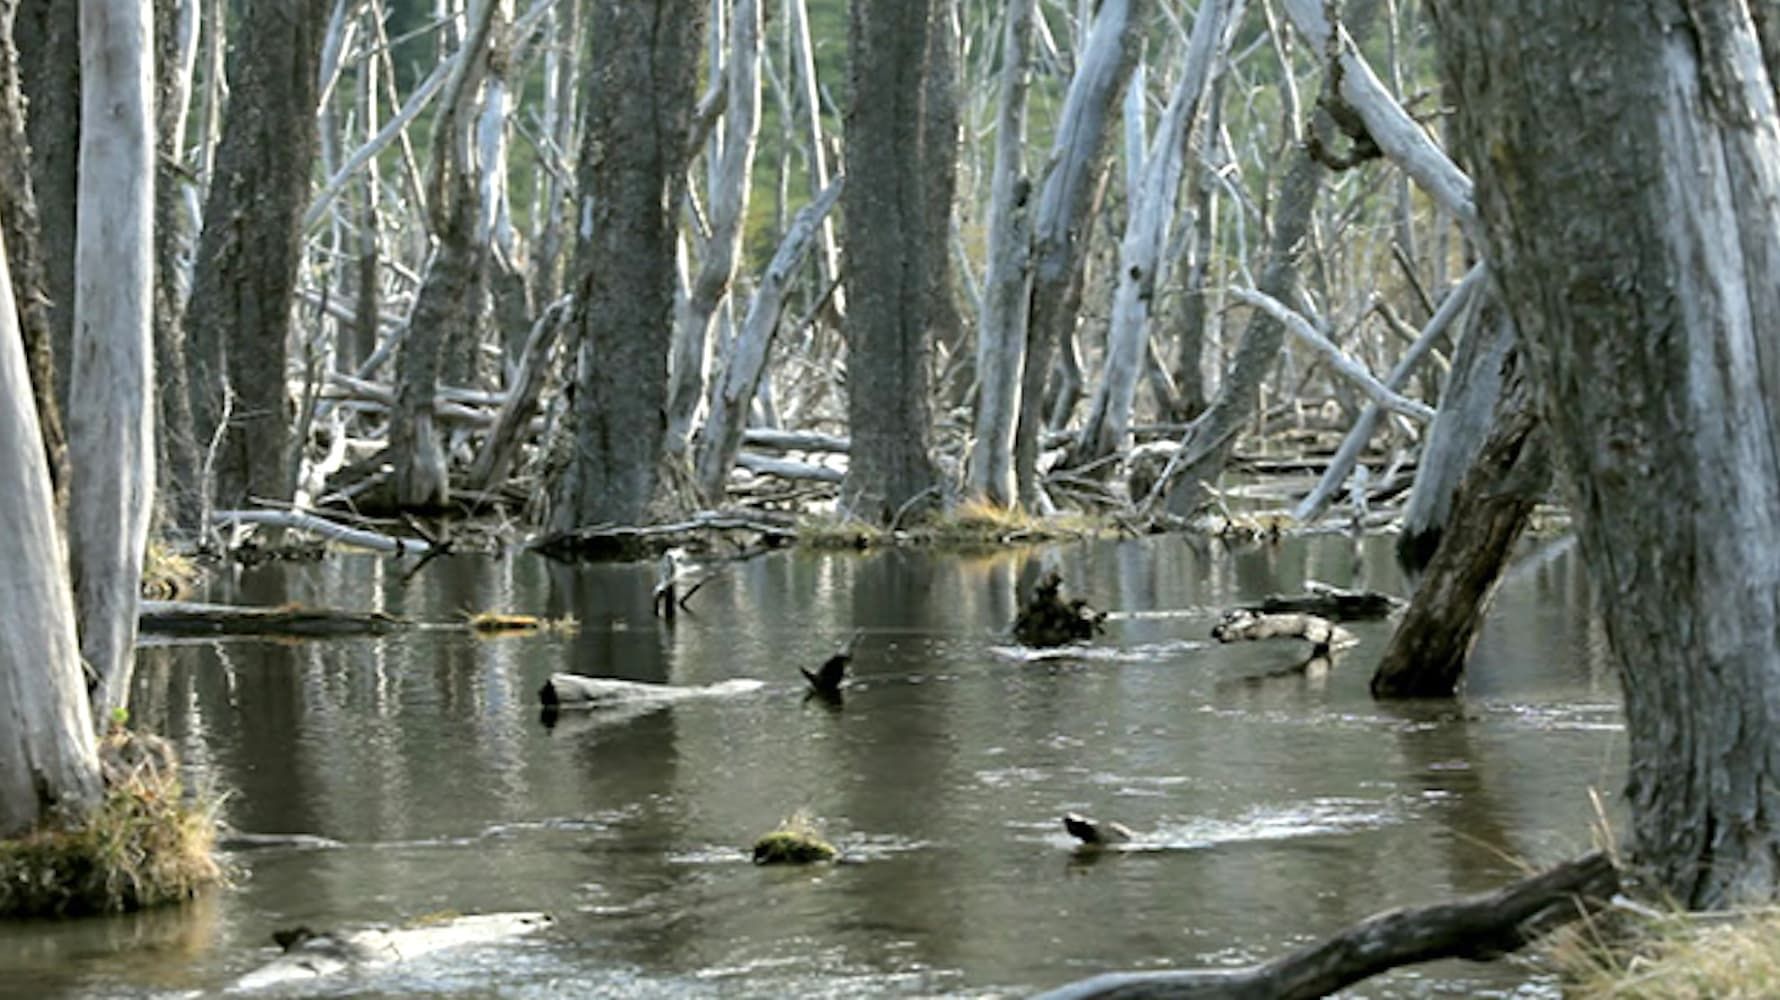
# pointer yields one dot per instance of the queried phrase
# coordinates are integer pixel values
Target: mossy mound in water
(795, 842)
(145, 845)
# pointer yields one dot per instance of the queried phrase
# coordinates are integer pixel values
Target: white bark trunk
(1007, 288)
(1146, 232)
(1340, 363)
(732, 392)
(730, 180)
(47, 753)
(111, 427)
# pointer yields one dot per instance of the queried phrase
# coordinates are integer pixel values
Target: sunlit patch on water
(1008, 777)
(1573, 717)
(1138, 653)
(602, 822)
(1315, 818)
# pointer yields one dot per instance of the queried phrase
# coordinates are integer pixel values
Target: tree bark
(177, 457)
(1426, 655)
(19, 223)
(633, 156)
(1107, 428)
(1626, 187)
(49, 762)
(1060, 218)
(111, 432)
(48, 35)
(1007, 288)
(888, 275)
(239, 316)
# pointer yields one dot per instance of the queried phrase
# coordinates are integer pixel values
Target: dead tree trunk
(48, 758)
(1007, 288)
(111, 431)
(1060, 217)
(1426, 655)
(1630, 225)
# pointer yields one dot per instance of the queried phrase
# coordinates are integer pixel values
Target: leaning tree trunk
(633, 156)
(48, 760)
(19, 223)
(111, 430)
(1001, 333)
(1059, 225)
(1630, 222)
(245, 274)
(1146, 234)
(1490, 507)
(888, 280)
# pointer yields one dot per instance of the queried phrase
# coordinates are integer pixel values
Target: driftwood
(1332, 603)
(1480, 927)
(1245, 625)
(1049, 620)
(309, 955)
(189, 618)
(330, 530)
(564, 691)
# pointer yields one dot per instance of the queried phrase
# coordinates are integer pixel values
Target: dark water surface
(1271, 809)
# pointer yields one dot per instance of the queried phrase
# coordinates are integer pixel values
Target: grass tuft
(145, 844)
(1673, 955)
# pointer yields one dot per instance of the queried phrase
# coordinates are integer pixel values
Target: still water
(1271, 807)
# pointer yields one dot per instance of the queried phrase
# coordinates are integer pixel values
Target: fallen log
(1480, 927)
(330, 530)
(1332, 603)
(193, 618)
(564, 691)
(309, 956)
(1243, 625)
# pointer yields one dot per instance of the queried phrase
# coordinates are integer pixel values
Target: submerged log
(1245, 625)
(1332, 603)
(563, 691)
(1480, 927)
(1049, 620)
(190, 618)
(309, 955)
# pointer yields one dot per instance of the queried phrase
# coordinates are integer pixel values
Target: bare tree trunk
(1207, 444)
(448, 308)
(1146, 233)
(889, 280)
(1467, 412)
(1060, 219)
(239, 317)
(48, 36)
(633, 156)
(1426, 655)
(940, 138)
(111, 432)
(19, 223)
(177, 458)
(48, 760)
(731, 182)
(1630, 225)
(745, 361)
(1007, 290)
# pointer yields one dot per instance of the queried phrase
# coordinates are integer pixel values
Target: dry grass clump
(497, 623)
(145, 845)
(979, 523)
(1674, 956)
(167, 575)
(832, 532)
(796, 841)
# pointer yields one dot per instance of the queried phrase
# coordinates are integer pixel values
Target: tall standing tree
(49, 763)
(239, 316)
(644, 60)
(889, 237)
(47, 33)
(111, 430)
(1625, 155)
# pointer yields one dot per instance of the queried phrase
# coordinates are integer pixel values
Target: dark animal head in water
(827, 678)
(291, 937)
